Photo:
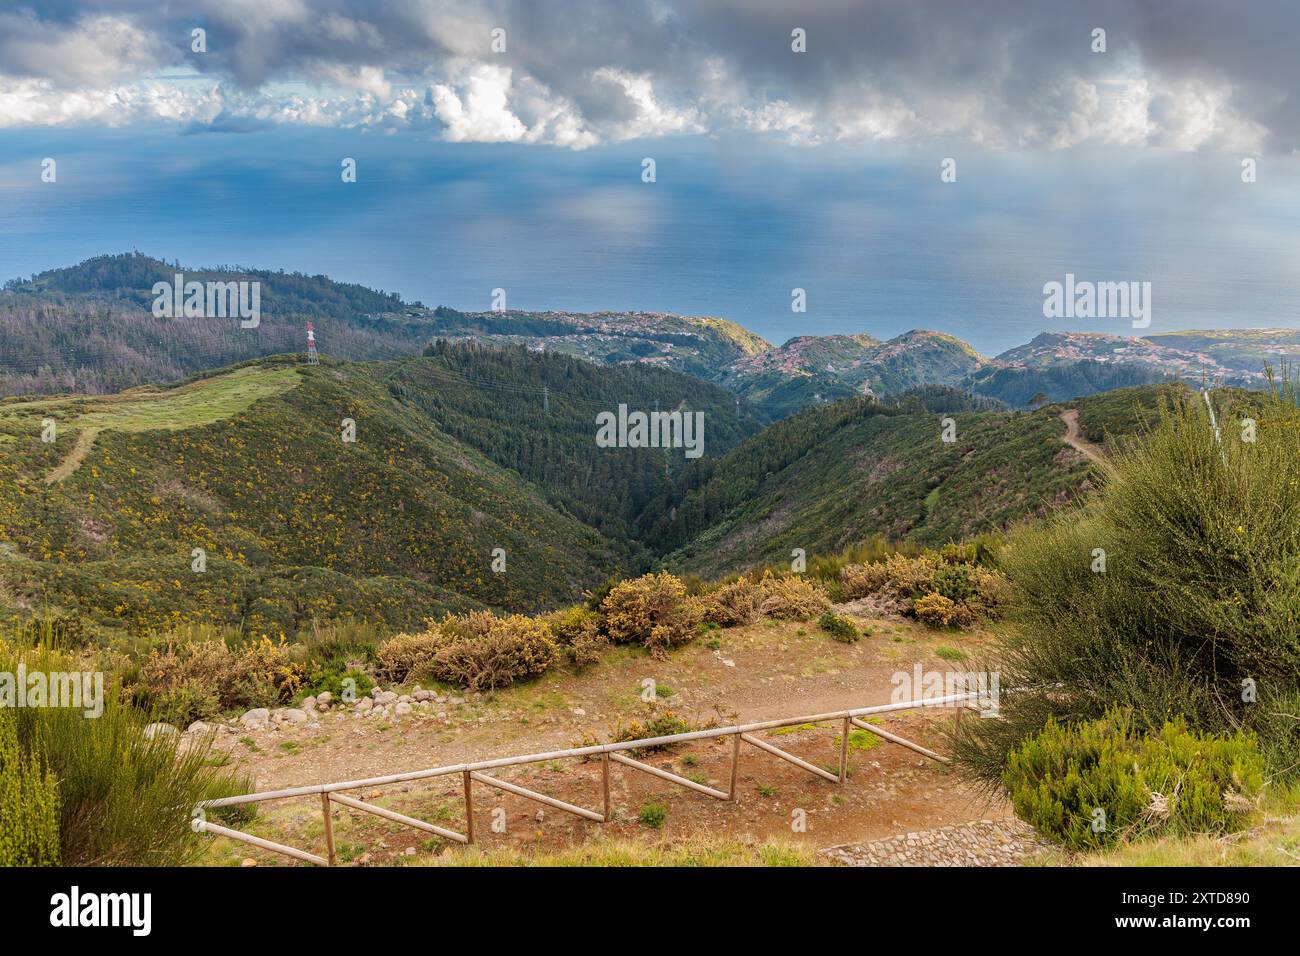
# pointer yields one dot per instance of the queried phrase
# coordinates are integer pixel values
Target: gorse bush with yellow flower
(478, 651)
(652, 610)
(185, 680)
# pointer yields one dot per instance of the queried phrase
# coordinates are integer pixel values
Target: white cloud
(475, 109)
(650, 117)
(26, 102)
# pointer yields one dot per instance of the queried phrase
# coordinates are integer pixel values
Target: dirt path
(762, 671)
(1075, 440)
(75, 456)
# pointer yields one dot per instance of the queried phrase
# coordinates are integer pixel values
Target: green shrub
(1193, 611)
(29, 803)
(653, 814)
(340, 647)
(1093, 784)
(124, 799)
(839, 627)
(596, 596)
(335, 682)
(953, 581)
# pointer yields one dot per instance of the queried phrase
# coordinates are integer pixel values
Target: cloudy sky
(520, 167)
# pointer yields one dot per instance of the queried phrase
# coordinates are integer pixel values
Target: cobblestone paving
(984, 843)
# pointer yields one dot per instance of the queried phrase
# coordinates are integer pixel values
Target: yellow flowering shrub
(793, 598)
(652, 610)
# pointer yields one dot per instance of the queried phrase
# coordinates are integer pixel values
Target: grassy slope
(701, 851)
(295, 522)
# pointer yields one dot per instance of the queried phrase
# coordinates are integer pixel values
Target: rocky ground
(982, 843)
(376, 705)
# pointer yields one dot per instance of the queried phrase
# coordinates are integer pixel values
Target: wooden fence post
(844, 752)
(329, 829)
(469, 808)
(604, 776)
(735, 766)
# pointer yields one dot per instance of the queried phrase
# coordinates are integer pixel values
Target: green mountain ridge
(88, 328)
(831, 476)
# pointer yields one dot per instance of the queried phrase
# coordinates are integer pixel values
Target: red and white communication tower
(312, 357)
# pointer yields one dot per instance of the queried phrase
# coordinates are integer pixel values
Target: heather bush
(1090, 785)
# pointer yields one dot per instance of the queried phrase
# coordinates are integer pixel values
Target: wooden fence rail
(333, 793)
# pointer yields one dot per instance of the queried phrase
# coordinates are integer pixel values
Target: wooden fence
(471, 773)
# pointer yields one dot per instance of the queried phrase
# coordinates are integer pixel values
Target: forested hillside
(90, 328)
(455, 455)
(831, 476)
(1020, 387)
(812, 368)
